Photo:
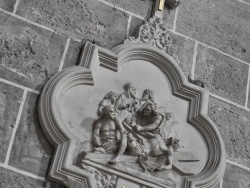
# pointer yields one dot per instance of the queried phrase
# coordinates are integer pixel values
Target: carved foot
(165, 168)
(99, 150)
(114, 160)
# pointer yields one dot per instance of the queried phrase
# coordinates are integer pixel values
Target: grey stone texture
(7, 5)
(139, 7)
(217, 186)
(233, 123)
(248, 105)
(73, 53)
(221, 24)
(183, 50)
(236, 177)
(53, 185)
(10, 179)
(10, 99)
(29, 55)
(31, 151)
(222, 75)
(247, 1)
(82, 19)
(134, 26)
(168, 19)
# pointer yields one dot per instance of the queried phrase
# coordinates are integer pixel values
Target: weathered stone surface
(7, 5)
(53, 185)
(168, 20)
(10, 99)
(73, 53)
(134, 26)
(29, 55)
(247, 1)
(217, 186)
(82, 19)
(222, 75)
(168, 17)
(248, 105)
(183, 50)
(221, 24)
(139, 7)
(233, 123)
(236, 177)
(31, 151)
(10, 179)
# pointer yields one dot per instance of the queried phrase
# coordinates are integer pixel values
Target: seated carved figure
(105, 134)
(147, 126)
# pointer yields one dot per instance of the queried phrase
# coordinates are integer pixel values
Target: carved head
(147, 95)
(109, 112)
(113, 96)
(149, 109)
(130, 90)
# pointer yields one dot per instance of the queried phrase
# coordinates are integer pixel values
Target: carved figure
(127, 102)
(147, 95)
(147, 125)
(105, 134)
(109, 99)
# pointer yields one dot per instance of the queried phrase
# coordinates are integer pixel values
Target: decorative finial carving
(153, 32)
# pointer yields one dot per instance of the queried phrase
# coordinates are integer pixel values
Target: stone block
(139, 7)
(82, 19)
(222, 75)
(168, 20)
(29, 54)
(7, 5)
(221, 24)
(248, 105)
(31, 151)
(73, 53)
(10, 99)
(236, 177)
(183, 50)
(53, 185)
(233, 124)
(168, 17)
(10, 179)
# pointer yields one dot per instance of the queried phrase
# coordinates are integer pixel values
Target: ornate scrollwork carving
(153, 32)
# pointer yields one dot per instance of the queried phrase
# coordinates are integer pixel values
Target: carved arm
(96, 135)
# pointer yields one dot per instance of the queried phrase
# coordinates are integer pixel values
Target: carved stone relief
(130, 115)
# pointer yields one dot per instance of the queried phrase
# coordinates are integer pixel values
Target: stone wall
(38, 38)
